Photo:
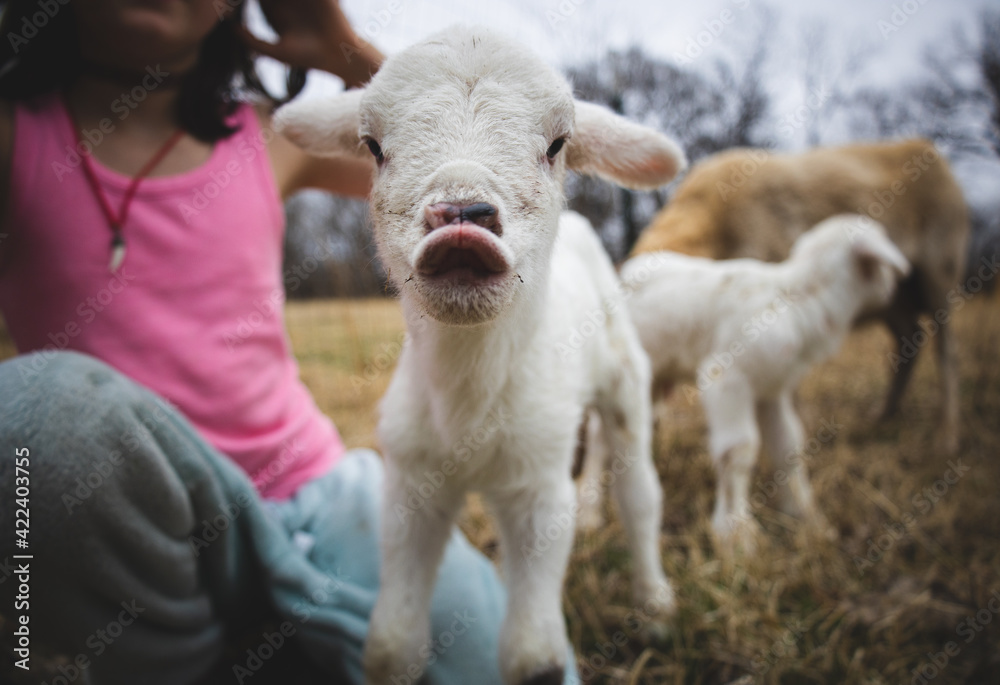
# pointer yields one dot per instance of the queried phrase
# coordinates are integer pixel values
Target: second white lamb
(745, 332)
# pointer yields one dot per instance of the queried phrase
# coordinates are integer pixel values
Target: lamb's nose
(444, 213)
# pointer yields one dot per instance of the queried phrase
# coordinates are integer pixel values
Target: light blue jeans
(150, 547)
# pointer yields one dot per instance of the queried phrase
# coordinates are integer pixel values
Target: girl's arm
(315, 34)
(294, 170)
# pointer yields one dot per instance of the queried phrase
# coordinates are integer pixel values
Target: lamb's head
(857, 246)
(472, 135)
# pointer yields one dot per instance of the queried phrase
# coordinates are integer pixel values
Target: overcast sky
(571, 30)
(565, 32)
(894, 35)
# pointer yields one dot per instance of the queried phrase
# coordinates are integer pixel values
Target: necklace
(116, 221)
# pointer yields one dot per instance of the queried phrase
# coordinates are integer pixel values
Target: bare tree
(328, 248)
(989, 69)
(708, 106)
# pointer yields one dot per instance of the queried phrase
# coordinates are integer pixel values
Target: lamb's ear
(873, 248)
(326, 127)
(612, 147)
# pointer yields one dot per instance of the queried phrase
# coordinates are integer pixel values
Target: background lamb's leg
(734, 443)
(595, 459)
(782, 440)
(413, 542)
(636, 487)
(948, 370)
(536, 530)
(902, 319)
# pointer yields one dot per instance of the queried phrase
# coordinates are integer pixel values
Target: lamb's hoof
(657, 631)
(739, 538)
(816, 527)
(554, 675)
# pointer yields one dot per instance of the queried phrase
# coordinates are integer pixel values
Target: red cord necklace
(116, 222)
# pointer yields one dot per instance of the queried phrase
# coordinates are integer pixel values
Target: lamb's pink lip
(463, 248)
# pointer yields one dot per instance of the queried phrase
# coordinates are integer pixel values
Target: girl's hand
(315, 34)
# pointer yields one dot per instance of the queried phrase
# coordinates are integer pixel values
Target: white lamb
(746, 332)
(472, 136)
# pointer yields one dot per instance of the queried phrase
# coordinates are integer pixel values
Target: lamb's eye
(376, 151)
(555, 147)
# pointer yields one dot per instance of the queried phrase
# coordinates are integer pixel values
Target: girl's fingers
(263, 47)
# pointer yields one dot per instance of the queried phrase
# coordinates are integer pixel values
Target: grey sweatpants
(149, 547)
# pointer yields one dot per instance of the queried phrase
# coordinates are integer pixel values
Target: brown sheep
(752, 203)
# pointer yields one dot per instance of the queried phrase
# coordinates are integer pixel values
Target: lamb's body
(746, 331)
(522, 381)
(473, 136)
(742, 308)
(751, 203)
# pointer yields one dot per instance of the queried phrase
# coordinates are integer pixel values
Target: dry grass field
(909, 570)
(889, 602)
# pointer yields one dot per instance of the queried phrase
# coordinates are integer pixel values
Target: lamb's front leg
(591, 500)
(783, 440)
(413, 542)
(734, 443)
(639, 497)
(537, 530)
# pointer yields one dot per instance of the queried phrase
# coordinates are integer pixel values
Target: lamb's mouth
(462, 254)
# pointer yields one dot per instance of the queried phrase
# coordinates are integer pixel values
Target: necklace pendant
(117, 252)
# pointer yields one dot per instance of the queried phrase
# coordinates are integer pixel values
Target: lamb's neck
(475, 362)
(824, 298)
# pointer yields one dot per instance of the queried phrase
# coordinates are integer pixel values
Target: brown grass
(797, 611)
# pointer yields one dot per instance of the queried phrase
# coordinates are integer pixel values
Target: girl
(182, 482)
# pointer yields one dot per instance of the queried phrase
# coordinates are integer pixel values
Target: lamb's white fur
(747, 331)
(488, 392)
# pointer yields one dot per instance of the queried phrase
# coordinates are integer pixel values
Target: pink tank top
(194, 312)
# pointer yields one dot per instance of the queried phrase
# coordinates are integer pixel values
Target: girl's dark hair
(40, 52)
